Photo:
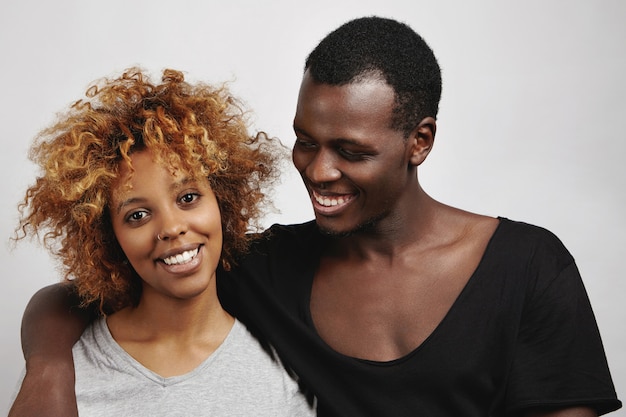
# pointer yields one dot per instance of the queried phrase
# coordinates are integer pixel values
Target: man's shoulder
(523, 232)
(518, 238)
(282, 240)
(288, 234)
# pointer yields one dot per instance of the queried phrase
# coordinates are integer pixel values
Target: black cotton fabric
(520, 336)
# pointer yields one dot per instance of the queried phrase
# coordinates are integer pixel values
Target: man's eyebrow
(296, 129)
(340, 141)
(347, 141)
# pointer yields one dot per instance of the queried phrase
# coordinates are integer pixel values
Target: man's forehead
(363, 100)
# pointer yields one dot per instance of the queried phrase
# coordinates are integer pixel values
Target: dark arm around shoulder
(51, 324)
(566, 412)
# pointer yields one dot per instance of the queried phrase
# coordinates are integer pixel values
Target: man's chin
(365, 227)
(334, 233)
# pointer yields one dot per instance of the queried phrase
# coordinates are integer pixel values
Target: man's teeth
(181, 258)
(327, 201)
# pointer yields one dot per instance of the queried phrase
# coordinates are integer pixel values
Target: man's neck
(414, 226)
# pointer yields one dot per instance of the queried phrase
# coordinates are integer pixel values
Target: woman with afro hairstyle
(144, 189)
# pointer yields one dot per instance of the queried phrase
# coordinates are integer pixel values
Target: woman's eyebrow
(175, 186)
(129, 201)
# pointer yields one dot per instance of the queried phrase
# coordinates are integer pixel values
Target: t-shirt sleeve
(559, 359)
(227, 290)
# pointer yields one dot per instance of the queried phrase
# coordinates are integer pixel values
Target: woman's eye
(189, 198)
(136, 216)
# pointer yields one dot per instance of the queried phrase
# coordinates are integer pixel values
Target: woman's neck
(171, 336)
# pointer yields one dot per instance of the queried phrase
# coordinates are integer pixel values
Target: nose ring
(159, 237)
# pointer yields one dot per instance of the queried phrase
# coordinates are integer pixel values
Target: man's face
(355, 166)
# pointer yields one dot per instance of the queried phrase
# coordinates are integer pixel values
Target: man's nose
(323, 167)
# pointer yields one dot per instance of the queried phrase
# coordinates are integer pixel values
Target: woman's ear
(421, 140)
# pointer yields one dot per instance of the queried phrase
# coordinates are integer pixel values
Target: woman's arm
(51, 324)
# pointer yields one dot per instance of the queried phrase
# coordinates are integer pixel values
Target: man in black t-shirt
(395, 304)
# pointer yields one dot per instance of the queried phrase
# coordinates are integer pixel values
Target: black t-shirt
(520, 335)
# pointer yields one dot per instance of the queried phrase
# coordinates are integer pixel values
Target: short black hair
(376, 46)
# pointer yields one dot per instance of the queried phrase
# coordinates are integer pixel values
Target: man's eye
(346, 153)
(304, 144)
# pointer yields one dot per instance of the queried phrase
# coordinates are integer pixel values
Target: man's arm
(566, 412)
(51, 325)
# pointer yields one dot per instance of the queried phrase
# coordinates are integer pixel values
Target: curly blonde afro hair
(198, 128)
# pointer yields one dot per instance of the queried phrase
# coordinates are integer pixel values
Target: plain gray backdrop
(531, 125)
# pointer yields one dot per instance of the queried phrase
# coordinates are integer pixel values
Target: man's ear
(421, 140)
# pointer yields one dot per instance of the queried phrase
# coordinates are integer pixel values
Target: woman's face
(168, 225)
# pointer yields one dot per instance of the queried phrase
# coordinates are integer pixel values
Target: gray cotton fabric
(238, 379)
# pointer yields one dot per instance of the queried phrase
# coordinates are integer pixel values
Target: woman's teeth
(181, 258)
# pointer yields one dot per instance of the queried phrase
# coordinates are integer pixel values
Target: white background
(531, 125)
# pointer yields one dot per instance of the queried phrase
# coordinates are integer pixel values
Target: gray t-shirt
(238, 379)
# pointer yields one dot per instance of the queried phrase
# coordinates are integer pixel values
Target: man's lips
(330, 203)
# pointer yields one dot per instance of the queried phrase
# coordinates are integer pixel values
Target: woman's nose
(172, 225)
